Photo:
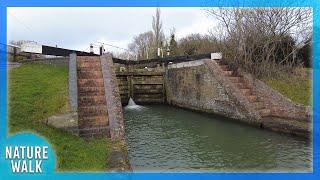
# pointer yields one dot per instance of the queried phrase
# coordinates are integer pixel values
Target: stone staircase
(238, 81)
(92, 106)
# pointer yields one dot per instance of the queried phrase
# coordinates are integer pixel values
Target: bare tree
(260, 39)
(157, 30)
(198, 44)
(142, 45)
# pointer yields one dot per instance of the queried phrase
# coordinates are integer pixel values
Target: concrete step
(252, 98)
(228, 73)
(88, 64)
(91, 100)
(246, 92)
(241, 85)
(264, 112)
(258, 105)
(235, 79)
(99, 82)
(89, 74)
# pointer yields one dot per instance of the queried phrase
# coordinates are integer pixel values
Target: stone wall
(112, 95)
(60, 61)
(201, 85)
(279, 105)
(193, 85)
(73, 86)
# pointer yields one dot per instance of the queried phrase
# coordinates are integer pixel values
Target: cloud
(76, 28)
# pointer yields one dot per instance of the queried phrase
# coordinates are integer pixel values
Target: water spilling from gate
(133, 106)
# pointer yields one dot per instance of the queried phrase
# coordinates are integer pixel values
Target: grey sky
(76, 28)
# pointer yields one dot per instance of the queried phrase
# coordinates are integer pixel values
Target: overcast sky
(76, 28)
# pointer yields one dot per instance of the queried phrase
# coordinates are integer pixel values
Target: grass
(296, 86)
(35, 93)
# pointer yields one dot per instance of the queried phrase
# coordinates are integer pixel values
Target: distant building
(14, 54)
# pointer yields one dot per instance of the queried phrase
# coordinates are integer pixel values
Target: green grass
(296, 86)
(39, 91)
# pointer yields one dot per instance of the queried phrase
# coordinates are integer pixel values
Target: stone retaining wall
(198, 85)
(73, 86)
(60, 61)
(279, 105)
(115, 115)
(201, 85)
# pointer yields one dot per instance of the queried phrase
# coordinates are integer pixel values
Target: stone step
(221, 62)
(89, 64)
(98, 68)
(94, 120)
(89, 74)
(88, 60)
(258, 105)
(91, 93)
(246, 92)
(228, 73)
(99, 82)
(241, 85)
(252, 98)
(90, 89)
(86, 111)
(91, 100)
(264, 112)
(224, 67)
(235, 79)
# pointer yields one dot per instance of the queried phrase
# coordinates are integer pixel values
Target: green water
(172, 139)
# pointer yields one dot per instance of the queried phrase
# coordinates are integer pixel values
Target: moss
(39, 91)
(296, 86)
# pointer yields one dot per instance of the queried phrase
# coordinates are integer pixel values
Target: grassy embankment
(296, 86)
(39, 91)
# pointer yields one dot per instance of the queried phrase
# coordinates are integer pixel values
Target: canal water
(165, 138)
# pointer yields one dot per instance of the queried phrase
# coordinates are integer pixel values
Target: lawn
(296, 86)
(39, 91)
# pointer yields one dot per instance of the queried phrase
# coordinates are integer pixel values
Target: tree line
(255, 39)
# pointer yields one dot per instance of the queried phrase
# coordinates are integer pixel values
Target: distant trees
(263, 39)
(143, 45)
(173, 45)
(304, 53)
(197, 44)
(157, 31)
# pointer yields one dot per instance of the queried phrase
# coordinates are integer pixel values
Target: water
(165, 138)
(133, 106)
